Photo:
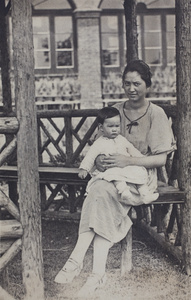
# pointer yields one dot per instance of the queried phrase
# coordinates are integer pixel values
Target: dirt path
(154, 275)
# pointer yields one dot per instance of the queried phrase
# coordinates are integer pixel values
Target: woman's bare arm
(118, 160)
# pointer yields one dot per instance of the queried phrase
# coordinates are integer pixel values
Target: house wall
(89, 61)
(89, 81)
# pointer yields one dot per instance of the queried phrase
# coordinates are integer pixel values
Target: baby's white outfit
(118, 145)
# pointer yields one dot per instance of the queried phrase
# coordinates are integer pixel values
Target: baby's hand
(82, 173)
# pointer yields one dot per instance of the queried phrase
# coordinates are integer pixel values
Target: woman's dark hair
(107, 113)
(140, 67)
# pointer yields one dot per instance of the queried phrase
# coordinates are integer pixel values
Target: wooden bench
(168, 196)
(150, 217)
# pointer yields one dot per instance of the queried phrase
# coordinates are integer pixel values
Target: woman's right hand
(99, 161)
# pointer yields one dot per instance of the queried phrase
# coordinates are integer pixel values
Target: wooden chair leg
(126, 253)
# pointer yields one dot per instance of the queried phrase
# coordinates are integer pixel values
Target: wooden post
(126, 253)
(131, 29)
(183, 63)
(69, 141)
(132, 53)
(27, 150)
(5, 61)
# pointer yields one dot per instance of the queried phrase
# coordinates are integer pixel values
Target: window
(153, 41)
(170, 39)
(110, 41)
(41, 37)
(64, 42)
(156, 39)
(53, 42)
(150, 39)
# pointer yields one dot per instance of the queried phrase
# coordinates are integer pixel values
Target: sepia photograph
(95, 149)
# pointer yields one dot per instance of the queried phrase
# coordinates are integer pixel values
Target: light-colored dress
(102, 210)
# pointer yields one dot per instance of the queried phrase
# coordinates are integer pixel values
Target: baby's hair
(107, 113)
(140, 67)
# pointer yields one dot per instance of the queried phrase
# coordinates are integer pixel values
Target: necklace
(134, 122)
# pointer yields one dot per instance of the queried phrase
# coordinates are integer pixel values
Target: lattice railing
(11, 229)
(65, 135)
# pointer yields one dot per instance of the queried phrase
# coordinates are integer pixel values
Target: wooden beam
(10, 229)
(183, 65)
(5, 244)
(160, 238)
(5, 58)
(8, 151)
(126, 253)
(10, 254)
(8, 125)
(9, 205)
(27, 150)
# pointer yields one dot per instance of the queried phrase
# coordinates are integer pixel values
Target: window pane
(170, 23)
(110, 57)
(42, 59)
(152, 23)
(63, 25)
(110, 40)
(64, 58)
(40, 24)
(41, 38)
(41, 41)
(170, 39)
(64, 40)
(153, 56)
(109, 24)
(171, 56)
(152, 39)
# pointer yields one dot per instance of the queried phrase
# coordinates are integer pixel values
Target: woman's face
(134, 86)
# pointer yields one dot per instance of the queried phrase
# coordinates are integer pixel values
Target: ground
(155, 275)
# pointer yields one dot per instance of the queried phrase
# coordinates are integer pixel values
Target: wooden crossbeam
(9, 205)
(10, 229)
(8, 125)
(7, 151)
(10, 254)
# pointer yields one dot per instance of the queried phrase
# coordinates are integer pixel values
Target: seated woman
(104, 218)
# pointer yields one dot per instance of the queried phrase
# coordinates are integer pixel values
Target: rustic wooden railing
(64, 137)
(11, 230)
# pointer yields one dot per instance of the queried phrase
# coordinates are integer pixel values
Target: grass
(155, 275)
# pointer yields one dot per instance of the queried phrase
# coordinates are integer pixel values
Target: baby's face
(111, 127)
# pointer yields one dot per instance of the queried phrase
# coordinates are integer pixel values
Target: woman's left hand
(116, 160)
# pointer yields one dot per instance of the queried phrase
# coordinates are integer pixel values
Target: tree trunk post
(131, 29)
(27, 150)
(183, 63)
(5, 60)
